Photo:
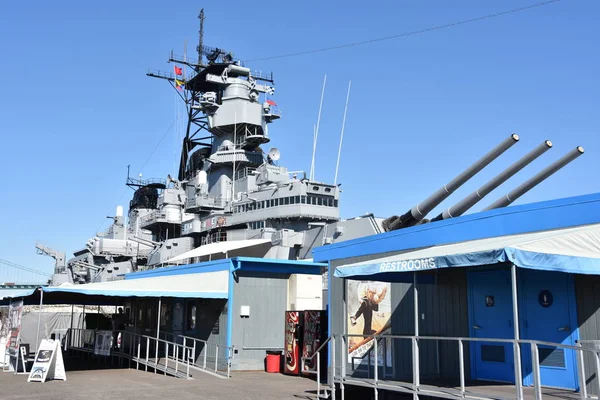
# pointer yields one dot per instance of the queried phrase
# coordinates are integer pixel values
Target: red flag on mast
(271, 102)
(178, 71)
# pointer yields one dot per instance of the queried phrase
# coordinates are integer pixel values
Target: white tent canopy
(218, 248)
(204, 285)
(574, 250)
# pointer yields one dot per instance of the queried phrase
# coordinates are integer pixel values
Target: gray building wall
(587, 291)
(443, 311)
(211, 325)
(266, 295)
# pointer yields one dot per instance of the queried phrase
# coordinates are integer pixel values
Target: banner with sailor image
(369, 313)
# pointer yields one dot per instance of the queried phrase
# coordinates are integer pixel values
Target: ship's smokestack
(472, 199)
(535, 180)
(417, 213)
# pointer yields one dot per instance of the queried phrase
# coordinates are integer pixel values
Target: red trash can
(273, 361)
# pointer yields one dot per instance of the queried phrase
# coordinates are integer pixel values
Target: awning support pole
(158, 322)
(415, 342)
(37, 335)
(516, 347)
(158, 335)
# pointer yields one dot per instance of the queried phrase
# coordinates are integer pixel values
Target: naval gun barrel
(417, 213)
(535, 180)
(459, 208)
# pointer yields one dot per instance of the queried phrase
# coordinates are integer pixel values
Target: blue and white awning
(571, 250)
(208, 285)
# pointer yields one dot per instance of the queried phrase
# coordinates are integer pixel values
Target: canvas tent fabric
(208, 285)
(571, 250)
(218, 248)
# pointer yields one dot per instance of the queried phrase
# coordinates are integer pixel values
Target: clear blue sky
(76, 107)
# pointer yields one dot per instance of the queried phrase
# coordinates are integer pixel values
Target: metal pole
(581, 373)
(537, 385)
(376, 370)
(37, 335)
(157, 330)
(517, 348)
(415, 343)
(333, 367)
(461, 355)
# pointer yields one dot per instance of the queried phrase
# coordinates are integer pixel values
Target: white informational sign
(103, 343)
(48, 362)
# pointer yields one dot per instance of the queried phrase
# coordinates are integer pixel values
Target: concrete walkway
(125, 384)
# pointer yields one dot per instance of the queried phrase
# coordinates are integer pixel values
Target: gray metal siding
(587, 290)
(210, 314)
(443, 311)
(266, 294)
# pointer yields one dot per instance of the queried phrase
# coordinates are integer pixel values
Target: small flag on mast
(179, 84)
(178, 70)
(271, 102)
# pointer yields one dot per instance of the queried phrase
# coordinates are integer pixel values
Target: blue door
(491, 317)
(549, 314)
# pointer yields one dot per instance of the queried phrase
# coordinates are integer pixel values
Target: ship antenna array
(337, 164)
(316, 133)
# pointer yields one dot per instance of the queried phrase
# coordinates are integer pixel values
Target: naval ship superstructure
(228, 189)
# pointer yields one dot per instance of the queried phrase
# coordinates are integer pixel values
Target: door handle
(476, 326)
(565, 328)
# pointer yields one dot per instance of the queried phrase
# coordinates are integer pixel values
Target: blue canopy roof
(571, 250)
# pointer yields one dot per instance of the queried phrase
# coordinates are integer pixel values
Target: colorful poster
(369, 312)
(15, 312)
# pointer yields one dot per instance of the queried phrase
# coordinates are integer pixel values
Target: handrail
(416, 388)
(228, 356)
(134, 347)
(318, 350)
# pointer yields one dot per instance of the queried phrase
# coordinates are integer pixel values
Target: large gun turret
(459, 208)
(535, 180)
(417, 213)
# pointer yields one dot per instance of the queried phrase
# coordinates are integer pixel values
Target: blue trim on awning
(208, 266)
(80, 289)
(388, 271)
(535, 217)
(244, 263)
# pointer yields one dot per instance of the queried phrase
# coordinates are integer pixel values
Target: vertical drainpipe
(329, 316)
(230, 301)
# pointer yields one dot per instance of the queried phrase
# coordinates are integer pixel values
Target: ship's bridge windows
(327, 190)
(297, 199)
(292, 200)
(272, 202)
(303, 199)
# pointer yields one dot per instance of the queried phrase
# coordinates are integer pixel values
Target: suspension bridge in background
(16, 276)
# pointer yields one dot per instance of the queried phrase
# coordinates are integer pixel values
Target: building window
(191, 315)
(286, 201)
(335, 203)
(292, 200)
(297, 199)
(303, 199)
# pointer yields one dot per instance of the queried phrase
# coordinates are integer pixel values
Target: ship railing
(377, 377)
(244, 172)
(205, 201)
(263, 76)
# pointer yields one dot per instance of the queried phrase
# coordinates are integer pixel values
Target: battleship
(229, 189)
